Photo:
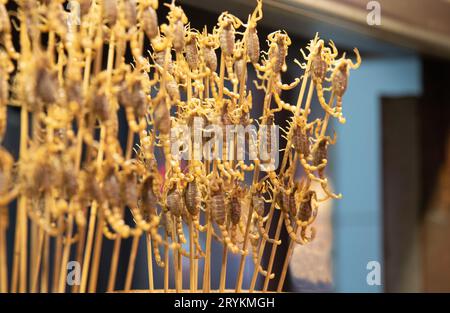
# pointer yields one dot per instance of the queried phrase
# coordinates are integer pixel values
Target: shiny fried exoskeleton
(111, 188)
(138, 100)
(300, 141)
(74, 93)
(178, 33)
(235, 210)
(253, 45)
(305, 210)
(70, 182)
(219, 215)
(307, 213)
(160, 59)
(100, 107)
(218, 207)
(266, 139)
(172, 88)
(252, 39)
(226, 34)
(161, 117)
(258, 202)
(239, 68)
(289, 211)
(191, 52)
(130, 190)
(135, 102)
(210, 58)
(167, 223)
(254, 241)
(320, 153)
(235, 204)
(177, 20)
(340, 81)
(45, 174)
(130, 10)
(85, 5)
(110, 12)
(150, 22)
(192, 198)
(339, 77)
(175, 202)
(319, 66)
(321, 59)
(208, 44)
(278, 51)
(148, 198)
(46, 82)
(90, 189)
(287, 201)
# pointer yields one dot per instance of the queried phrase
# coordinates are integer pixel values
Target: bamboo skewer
(65, 257)
(166, 267)
(36, 271)
(57, 259)
(132, 262)
(149, 262)
(223, 272)
(3, 252)
(88, 249)
(192, 272)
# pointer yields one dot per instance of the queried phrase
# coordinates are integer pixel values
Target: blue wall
(358, 225)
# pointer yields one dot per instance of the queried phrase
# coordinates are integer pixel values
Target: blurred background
(392, 158)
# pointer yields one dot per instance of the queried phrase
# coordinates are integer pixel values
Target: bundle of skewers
(75, 182)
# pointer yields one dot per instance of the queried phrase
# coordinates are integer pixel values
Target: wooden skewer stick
(114, 263)
(57, 261)
(36, 271)
(79, 252)
(132, 262)
(149, 262)
(166, 264)
(88, 247)
(3, 251)
(206, 270)
(223, 272)
(191, 256)
(97, 252)
(66, 255)
(20, 242)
